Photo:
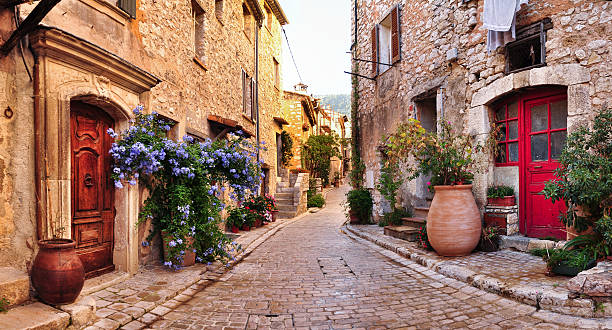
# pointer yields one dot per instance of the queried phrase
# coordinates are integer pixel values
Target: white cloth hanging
(499, 17)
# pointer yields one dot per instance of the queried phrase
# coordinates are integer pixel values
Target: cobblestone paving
(511, 267)
(310, 275)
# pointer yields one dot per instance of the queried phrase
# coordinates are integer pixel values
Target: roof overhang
(278, 11)
(229, 124)
(258, 12)
(281, 121)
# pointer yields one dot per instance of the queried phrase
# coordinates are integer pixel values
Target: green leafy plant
(577, 259)
(394, 217)
(316, 201)
(359, 201)
(317, 153)
(4, 303)
(448, 157)
(500, 191)
(490, 233)
(389, 183)
(287, 148)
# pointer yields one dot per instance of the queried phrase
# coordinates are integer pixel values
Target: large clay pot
(274, 215)
(572, 232)
(57, 272)
(189, 257)
(453, 221)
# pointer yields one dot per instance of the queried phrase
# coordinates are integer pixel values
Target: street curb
(543, 300)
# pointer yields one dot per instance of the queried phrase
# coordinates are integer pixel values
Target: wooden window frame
(395, 40)
(505, 121)
(526, 35)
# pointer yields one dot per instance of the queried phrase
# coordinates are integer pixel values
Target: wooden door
(544, 135)
(279, 153)
(93, 210)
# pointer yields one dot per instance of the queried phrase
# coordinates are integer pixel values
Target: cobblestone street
(310, 275)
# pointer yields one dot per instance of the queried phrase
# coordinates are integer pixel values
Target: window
(276, 73)
(248, 89)
(528, 51)
(386, 42)
(128, 6)
(199, 40)
(247, 21)
(506, 118)
(219, 10)
(269, 18)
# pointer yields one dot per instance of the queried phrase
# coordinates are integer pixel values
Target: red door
(92, 192)
(544, 134)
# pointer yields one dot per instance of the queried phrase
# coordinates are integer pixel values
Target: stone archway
(574, 77)
(69, 70)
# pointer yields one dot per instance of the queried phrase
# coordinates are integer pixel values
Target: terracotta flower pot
(353, 216)
(258, 223)
(246, 227)
(571, 232)
(189, 256)
(274, 215)
(57, 272)
(235, 229)
(453, 221)
(503, 201)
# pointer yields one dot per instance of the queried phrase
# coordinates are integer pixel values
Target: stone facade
(444, 67)
(183, 60)
(300, 110)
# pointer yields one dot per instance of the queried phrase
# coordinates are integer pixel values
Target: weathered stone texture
(577, 55)
(295, 111)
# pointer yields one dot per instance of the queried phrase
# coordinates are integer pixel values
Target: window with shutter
(395, 33)
(253, 92)
(386, 42)
(199, 26)
(128, 6)
(375, 49)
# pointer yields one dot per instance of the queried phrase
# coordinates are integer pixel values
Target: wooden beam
(11, 3)
(28, 25)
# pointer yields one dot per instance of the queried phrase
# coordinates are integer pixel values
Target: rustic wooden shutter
(395, 35)
(253, 92)
(375, 50)
(244, 95)
(128, 6)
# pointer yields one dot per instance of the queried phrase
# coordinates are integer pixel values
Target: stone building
(301, 111)
(432, 64)
(211, 67)
(333, 122)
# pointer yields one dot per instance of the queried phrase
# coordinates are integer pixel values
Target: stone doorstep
(544, 299)
(34, 316)
(525, 244)
(14, 286)
(83, 314)
(406, 233)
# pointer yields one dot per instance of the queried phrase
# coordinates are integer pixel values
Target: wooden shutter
(244, 95)
(128, 6)
(395, 35)
(253, 92)
(375, 50)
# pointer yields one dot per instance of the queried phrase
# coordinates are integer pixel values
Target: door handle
(88, 180)
(538, 166)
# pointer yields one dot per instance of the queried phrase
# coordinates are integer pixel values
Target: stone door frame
(574, 77)
(68, 68)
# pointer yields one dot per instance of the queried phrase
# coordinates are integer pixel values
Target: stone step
(287, 208)
(286, 214)
(414, 222)
(402, 232)
(34, 316)
(283, 195)
(284, 200)
(14, 286)
(284, 190)
(421, 212)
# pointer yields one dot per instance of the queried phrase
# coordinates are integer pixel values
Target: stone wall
(295, 113)
(578, 58)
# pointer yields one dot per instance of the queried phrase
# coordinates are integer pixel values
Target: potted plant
(337, 179)
(501, 196)
(271, 208)
(489, 240)
(235, 219)
(57, 272)
(359, 203)
(565, 261)
(453, 221)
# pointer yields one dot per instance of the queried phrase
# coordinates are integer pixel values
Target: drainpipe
(257, 27)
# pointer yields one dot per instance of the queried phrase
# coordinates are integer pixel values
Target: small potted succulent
(501, 196)
(489, 240)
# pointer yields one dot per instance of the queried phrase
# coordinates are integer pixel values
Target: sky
(319, 33)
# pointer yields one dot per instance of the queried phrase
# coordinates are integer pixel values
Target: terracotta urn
(274, 215)
(57, 272)
(453, 221)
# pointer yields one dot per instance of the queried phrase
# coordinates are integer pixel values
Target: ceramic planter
(486, 245)
(57, 272)
(453, 221)
(188, 258)
(246, 227)
(274, 215)
(353, 216)
(235, 229)
(563, 268)
(502, 201)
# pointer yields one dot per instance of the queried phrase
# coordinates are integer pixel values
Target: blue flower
(168, 263)
(112, 133)
(172, 244)
(118, 184)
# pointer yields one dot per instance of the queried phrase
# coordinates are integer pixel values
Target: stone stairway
(285, 195)
(410, 227)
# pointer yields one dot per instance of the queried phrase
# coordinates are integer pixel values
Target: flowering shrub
(422, 239)
(183, 180)
(447, 156)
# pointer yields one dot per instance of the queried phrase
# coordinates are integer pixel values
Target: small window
(247, 95)
(198, 29)
(528, 51)
(276, 73)
(269, 18)
(128, 6)
(506, 118)
(247, 21)
(386, 42)
(219, 10)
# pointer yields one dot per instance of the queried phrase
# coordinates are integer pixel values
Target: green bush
(317, 153)
(316, 201)
(360, 202)
(394, 217)
(500, 191)
(287, 148)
